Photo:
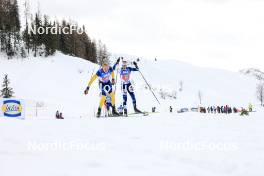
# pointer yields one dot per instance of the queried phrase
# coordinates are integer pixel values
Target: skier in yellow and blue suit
(104, 74)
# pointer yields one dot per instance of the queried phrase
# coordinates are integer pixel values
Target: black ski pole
(149, 87)
(116, 76)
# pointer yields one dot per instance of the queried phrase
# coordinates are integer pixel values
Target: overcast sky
(226, 34)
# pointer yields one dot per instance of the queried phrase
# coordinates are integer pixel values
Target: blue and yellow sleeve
(92, 80)
(112, 73)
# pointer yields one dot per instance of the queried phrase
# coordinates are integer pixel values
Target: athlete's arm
(90, 83)
(94, 77)
(113, 74)
(133, 69)
(114, 67)
(117, 63)
(136, 67)
(92, 80)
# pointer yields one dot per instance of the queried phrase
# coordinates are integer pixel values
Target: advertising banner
(12, 108)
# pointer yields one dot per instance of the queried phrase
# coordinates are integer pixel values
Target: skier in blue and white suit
(126, 85)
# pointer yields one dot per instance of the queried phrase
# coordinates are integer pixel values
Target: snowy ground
(167, 144)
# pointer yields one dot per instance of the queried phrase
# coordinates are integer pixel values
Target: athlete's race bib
(125, 75)
(105, 77)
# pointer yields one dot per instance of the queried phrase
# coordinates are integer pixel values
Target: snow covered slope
(160, 144)
(58, 82)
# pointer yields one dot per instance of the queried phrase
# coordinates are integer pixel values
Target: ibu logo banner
(12, 108)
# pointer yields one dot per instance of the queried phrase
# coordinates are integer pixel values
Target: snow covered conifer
(6, 92)
(260, 93)
(181, 86)
(200, 96)
(102, 53)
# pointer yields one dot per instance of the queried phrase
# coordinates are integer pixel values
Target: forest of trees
(15, 41)
(9, 27)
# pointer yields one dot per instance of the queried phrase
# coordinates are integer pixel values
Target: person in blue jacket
(127, 88)
(104, 75)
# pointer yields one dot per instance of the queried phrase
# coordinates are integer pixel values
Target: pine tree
(1, 15)
(14, 12)
(25, 35)
(23, 53)
(36, 37)
(13, 42)
(6, 92)
(260, 92)
(9, 27)
(49, 40)
(102, 53)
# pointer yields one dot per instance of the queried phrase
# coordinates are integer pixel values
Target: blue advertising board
(12, 108)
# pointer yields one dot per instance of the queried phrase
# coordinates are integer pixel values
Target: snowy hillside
(256, 73)
(162, 144)
(58, 82)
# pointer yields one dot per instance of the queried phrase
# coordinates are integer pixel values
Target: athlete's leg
(112, 95)
(132, 95)
(130, 90)
(102, 100)
(124, 91)
(101, 103)
(109, 91)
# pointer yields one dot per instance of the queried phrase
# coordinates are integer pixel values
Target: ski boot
(114, 112)
(98, 115)
(125, 113)
(136, 110)
(121, 113)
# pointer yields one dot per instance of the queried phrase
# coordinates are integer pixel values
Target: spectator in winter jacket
(153, 109)
(222, 109)
(61, 117)
(208, 109)
(57, 115)
(202, 110)
(227, 109)
(212, 109)
(218, 109)
(235, 110)
(171, 109)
